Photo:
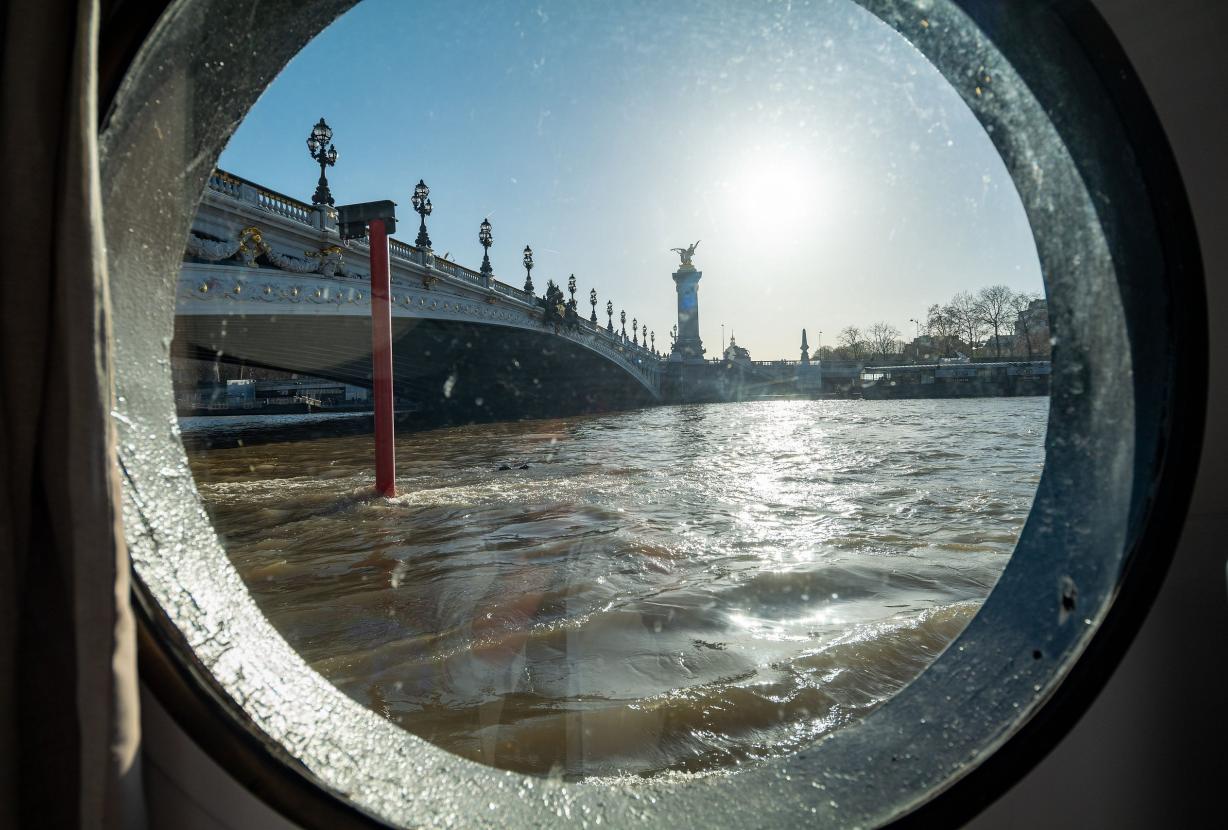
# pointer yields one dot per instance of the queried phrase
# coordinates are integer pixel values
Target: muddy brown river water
(672, 589)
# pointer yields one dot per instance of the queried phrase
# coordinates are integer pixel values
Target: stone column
(324, 218)
(688, 347)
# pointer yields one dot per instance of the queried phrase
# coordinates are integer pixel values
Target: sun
(779, 195)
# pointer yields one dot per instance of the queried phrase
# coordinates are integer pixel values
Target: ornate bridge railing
(270, 200)
(226, 184)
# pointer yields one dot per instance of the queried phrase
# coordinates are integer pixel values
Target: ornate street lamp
(652, 335)
(528, 270)
(571, 288)
(592, 300)
(487, 240)
(320, 146)
(635, 329)
(422, 204)
(622, 318)
(609, 313)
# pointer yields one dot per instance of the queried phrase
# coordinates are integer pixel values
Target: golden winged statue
(686, 253)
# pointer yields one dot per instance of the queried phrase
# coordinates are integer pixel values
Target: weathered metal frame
(1116, 243)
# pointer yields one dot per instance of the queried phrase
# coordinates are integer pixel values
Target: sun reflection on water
(686, 587)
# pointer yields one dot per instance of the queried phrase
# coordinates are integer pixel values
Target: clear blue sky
(833, 175)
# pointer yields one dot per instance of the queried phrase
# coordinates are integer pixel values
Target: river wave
(676, 589)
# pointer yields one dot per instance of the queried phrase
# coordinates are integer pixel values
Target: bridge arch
(267, 281)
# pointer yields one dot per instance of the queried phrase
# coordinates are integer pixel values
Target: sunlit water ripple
(680, 588)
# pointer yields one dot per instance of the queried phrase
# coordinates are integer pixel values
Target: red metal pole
(381, 360)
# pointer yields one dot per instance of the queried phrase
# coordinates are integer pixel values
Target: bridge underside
(453, 370)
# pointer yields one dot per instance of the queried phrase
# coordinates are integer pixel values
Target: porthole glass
(683, 581)
(672, 585)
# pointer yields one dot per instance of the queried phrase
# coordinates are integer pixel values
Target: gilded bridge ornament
(330, 259)
(686, 254)
(250, 245)
(331, 250)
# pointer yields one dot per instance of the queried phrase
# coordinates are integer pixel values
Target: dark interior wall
(1149, 753)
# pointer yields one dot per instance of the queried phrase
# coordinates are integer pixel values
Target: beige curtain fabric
(68, 689)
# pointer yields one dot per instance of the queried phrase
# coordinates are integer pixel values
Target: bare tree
(1027, 325)
(968, 318)
(884, 339)
(940, 327)
(995, 307)
(853, 343)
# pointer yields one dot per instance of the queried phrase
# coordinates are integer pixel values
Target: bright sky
(833, 176)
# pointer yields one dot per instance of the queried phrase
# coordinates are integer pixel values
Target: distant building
(1032, 331)
(1004, 345)
(240, 392)
(248, 393)
(922, 349)
(1032, 319)
(735, 353)
(1028, 339)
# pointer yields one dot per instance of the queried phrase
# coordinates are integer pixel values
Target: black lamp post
(487, 240)
(320, 145)
(622, 318)
(422, 204)
(652, 335)
(592, 300)
(528, 270)
(609, 313)
(635, 330)
(571, 289)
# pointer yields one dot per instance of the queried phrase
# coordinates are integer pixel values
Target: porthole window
(630, 576)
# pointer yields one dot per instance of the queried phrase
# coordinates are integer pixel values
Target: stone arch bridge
(267, 281)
